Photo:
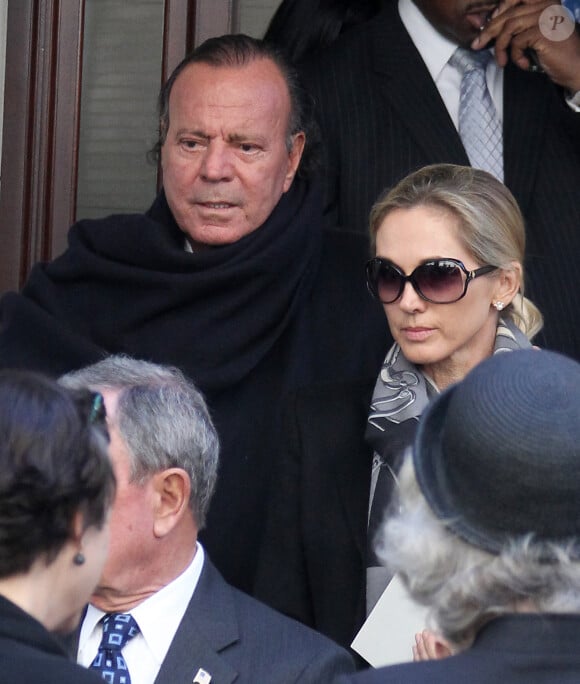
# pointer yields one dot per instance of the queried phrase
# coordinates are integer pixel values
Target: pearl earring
(499, 305)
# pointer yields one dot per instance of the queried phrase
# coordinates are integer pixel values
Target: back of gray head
(163, 419)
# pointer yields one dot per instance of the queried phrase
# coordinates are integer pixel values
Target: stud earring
(79, 559)
(499, 305)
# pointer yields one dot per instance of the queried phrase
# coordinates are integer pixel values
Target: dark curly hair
(53, 464)
(234, 50)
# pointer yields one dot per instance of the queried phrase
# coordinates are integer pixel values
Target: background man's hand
(521, 25)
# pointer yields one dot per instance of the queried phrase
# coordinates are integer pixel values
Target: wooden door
(43, 86)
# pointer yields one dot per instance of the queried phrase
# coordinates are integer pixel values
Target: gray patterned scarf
(401, 394)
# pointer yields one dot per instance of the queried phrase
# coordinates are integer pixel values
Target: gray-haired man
(187, 623)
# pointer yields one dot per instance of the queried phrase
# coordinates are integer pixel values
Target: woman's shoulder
(30, 662)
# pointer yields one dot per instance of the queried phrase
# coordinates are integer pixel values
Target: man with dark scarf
(231, 275)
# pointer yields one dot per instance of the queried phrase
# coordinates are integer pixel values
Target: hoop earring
(499, 305)
(79, 559)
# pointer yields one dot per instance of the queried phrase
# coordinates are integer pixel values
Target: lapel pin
(202, 677)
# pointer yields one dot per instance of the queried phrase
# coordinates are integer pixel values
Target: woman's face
(79, 582)
(445, 339)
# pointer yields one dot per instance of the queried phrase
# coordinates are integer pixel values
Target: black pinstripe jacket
(382, 116)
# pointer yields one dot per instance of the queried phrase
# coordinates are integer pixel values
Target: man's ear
(298, 143)
(171, 489)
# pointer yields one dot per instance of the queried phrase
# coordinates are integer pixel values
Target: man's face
(458, 20)
(126, 570)
(225, 161)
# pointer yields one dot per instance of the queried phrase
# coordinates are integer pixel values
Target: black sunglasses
(439, 281)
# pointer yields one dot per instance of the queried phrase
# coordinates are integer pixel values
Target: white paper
(388, 635)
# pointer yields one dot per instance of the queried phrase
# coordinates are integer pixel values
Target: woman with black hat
(486, 532)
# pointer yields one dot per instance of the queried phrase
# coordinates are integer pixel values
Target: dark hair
(302, 27)
(53, 464)
(237, 50)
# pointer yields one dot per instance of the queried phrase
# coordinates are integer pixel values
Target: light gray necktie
(479, 124)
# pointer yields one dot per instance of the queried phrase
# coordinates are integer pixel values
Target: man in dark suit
(387, 101)
(189, 624)
(487, 530)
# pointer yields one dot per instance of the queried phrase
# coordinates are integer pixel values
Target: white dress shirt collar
(158, 618)
(435, 49)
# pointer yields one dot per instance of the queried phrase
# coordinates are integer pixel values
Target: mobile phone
(535, 65)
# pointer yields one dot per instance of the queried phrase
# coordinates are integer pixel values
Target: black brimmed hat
(497, 456)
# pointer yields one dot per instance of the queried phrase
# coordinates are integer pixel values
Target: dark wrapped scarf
(400, 396)
(249, 322)
(127, 284)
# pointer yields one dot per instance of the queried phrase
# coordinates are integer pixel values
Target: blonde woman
(449, 245)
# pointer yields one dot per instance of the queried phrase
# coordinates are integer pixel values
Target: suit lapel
(404, 81)
(208, 627)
